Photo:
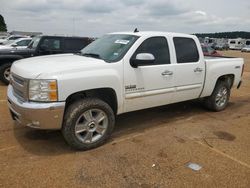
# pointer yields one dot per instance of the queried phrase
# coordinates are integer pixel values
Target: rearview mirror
(142, 59)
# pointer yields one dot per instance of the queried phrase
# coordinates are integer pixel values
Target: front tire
(219, 99)
(5, 73)
(88, 123)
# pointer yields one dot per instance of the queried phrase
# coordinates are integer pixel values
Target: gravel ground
(149, 148)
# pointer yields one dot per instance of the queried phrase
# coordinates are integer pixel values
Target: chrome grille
(20, 87)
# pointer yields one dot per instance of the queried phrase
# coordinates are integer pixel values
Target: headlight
(43, 90)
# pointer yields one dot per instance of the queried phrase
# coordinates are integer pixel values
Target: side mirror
(14, 45)
(142, 59)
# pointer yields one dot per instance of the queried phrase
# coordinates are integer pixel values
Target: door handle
(198, 69)
(167, 73)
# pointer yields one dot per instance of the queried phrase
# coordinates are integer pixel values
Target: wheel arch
(210, 84)
(9, 59)
(228, 78)
(108, 95)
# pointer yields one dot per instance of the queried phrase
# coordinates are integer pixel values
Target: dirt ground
(149, 148)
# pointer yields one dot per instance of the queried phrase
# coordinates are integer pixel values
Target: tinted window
(186, 50)
(75, 44)
(158, 46)
(51, 44)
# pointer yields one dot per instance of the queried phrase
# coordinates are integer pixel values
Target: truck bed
(223, 59)
(216, 66)
(218, 57)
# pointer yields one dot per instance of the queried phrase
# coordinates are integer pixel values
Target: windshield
(33, 44)
(110, 48)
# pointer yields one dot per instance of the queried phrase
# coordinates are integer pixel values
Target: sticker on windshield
(122, 41)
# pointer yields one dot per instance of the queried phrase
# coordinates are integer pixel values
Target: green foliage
(228, 35)
(3, 26)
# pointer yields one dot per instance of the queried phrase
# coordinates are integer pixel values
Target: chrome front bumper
(36, 115)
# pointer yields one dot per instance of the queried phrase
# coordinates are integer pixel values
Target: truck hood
(53, 65)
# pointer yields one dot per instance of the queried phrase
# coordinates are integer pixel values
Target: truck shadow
(51, 143)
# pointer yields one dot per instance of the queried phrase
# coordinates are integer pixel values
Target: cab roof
(154, 33)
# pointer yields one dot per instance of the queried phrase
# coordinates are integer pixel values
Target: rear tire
(5, 73)
(88, 123)
(219, 99)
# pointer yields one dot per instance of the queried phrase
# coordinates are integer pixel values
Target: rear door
(149, 85)
(190, 69)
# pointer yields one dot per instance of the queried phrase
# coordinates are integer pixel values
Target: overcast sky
(97, 17)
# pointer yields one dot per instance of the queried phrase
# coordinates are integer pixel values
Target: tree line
(3, 26)
(228, 35)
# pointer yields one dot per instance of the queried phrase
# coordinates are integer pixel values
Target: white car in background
(3, 37)
(246, 49)
(16, 44)
(11, 38)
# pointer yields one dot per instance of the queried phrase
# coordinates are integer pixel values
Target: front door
(149, 85)
(49, 46)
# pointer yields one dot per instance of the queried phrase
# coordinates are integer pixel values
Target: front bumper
(34, 114)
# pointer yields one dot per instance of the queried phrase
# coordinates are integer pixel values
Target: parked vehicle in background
(236, 44)
(120, 72)
(16, 44)
(209, 51)
(11, 38)
(246, 49)
(3, 37)
(247, 42)
(209, 41)
(221, 46)
(40, 45)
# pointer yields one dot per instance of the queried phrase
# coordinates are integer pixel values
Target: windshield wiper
(92, 55)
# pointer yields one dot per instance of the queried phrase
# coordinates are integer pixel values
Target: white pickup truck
(120, 72)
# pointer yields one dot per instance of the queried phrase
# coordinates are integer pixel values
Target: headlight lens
(43, 90)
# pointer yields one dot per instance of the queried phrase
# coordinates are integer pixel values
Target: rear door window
(75, 44)
(186, 50)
